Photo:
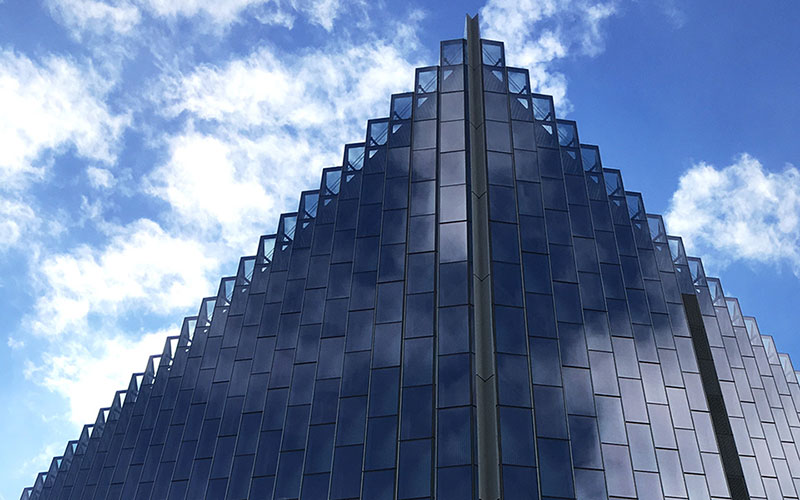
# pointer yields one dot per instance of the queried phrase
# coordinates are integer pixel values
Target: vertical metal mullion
(485, 369)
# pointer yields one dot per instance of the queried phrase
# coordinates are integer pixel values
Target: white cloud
(741, 212)
(538, 32)
(119, 16)
(89, 371)
(123, 16)
(100, 177)
(16, 219)
(142, 268)
(48, 107)
(269, 126)
(15, 343)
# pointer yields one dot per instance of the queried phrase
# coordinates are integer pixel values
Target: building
(471, 307)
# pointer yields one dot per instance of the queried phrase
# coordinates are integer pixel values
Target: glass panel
(518, 81)
(613, 180)
(378, 132)
(567, 134)
(492, 53)
(401, 106)
(452, 53)
(590, 157)
(427, 80)
(543, 108)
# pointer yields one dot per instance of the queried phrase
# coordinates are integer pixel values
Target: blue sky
(146, 144)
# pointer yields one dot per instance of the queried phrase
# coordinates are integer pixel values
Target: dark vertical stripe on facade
(719, 414)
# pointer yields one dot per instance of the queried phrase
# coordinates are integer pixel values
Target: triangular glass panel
(753, 332)
(734, 311)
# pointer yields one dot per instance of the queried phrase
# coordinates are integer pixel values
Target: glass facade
(471, 306)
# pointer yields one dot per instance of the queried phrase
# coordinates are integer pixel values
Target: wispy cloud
(16, 219)
(122, 17)
(740, 212)
(142, 268)
(87, 373)
(49, 106)
(269, 124)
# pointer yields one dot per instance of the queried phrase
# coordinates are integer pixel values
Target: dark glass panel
(384, 388)
(530, 198)
(495, 106)
(355, 377)
(452, 168)
(421, 234)
(414, 474)
(424, 134)
(423, 165)
(453, 242)
(346, 480)
(585, 442)
(454, 437)
(387, 345)
(545, 367)
(507, 284)
(351, 421)
(556, 470)
(516, 431)
(523, 133)
(548, 404)
(452, 107)
(417, 412)
(454, 380)
(558, 229)
(423, 198)
(497, 136)
(532, 232)
(454, 330)
(397, 162)
(453, 203)
(453, 285)
(392, 262)
(452, 136)
(510, 336)
(513, 380)
(505, 243)
(359, 331)
(418, 361)
(378, 485)
(394, 226)
(319, 449)
(381, 443)
(526, 165)
(326, 397)
(396, 193)
(500, 169)
(454, 483)
(562, 263)
(541, 316)
(578, 388)
(592, 291)
(419, 315)
(390, 302)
